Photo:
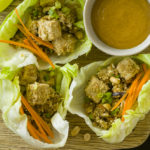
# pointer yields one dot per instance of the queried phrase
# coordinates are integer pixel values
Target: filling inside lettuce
(58, 23)
(110, 90)
(55, 21)
(41, 91)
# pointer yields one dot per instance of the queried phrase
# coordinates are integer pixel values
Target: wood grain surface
(10, 141)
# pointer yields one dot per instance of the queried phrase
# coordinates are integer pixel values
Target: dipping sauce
(121, 24)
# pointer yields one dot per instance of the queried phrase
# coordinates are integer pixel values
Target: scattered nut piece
(75, 131)
(107, 106)
(115, 80)
(87, 137)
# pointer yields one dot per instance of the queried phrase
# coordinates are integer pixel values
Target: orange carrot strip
(144, 67)
(118, 103)
(35, 133)
(45, 138)
(30, 127)
(36, 120)
(40, 41)
(42, 54)
(21, 110)
(125, 95)
(21, 45)
(125, 107)
(31, 110)
(25, 41)
(133, 95)
(130, 98)
(46, 128)
(144, 80)
(32, 131)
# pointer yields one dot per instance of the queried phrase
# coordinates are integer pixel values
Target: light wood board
(10, 141)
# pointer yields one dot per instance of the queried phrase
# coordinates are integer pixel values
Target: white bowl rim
(101, 45)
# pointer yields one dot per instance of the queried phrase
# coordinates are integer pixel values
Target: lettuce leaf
(119, 130)
(69, 72)
(15, 58)
(4, 4)
(10, 100)
(7, 73)
(8, 29)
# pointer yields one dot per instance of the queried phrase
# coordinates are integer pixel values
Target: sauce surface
(121, 24)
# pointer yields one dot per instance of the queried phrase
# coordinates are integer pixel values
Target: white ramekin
(101, 45)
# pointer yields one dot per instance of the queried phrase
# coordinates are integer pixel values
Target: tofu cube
(28, 75)
(64, 45)
(49, 30)
(38, 93)
(95, 89)
(128, 69)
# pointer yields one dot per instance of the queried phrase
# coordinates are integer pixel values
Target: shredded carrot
(118, 103)
(144, 67)
(144, 80)
(44, 138)
(135, 92)
(125, 107)
(21, 45)
(32, 131)
(38, 134)
(25, 41)
(30, 127)
(129, 91)
(41, 53)
(40, 41)
(21, 110)
(35, 115)
(130, 98)
(46, 128)
(37, 122)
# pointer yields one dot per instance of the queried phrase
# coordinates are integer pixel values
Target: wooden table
(10, 141)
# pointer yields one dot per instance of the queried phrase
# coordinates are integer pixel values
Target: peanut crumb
(75, 131)
(87, 137)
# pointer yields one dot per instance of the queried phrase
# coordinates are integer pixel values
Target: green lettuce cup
(14, 82)
(72, 42)
(119, 128)
(4, 4)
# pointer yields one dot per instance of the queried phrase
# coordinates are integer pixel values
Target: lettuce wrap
(119, 129)
(10, 101)
(8, 28)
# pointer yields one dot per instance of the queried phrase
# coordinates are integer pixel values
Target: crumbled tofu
(28, 75)
(75, 131)
(38, 93)
(107, 106)
(114, 80)
(128, 69)
(119, 88)
(95, 88)
(33, 27)
(49, 29)
(67, 20)
(64, 45)
(100, 112)
(87, 137)
(105, 73)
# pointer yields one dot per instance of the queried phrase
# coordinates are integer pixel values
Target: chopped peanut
(87, 137)
(75, 131)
